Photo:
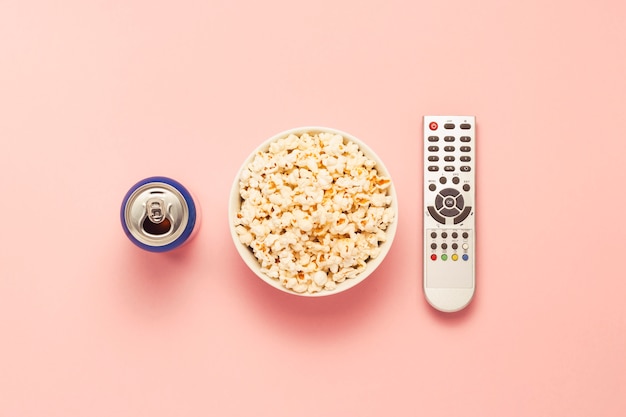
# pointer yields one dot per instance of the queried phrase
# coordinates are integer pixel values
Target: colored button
(433, 126)
(434, 257)
(444, 257)
(455, 257)
(465, 257)
(465, 246)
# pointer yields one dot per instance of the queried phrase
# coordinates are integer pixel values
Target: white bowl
(248, 256)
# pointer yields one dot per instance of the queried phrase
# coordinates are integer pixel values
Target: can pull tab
(155, 223)
(155, 208)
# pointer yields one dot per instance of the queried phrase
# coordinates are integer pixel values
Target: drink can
(158, 214)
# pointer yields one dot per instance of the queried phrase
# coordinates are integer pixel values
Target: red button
(433, 125)
(433, 257)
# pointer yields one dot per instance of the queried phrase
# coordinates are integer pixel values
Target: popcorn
(314, 211)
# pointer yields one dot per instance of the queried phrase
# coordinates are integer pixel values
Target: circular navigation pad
(449, 203)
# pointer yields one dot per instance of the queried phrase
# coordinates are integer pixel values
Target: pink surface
(97, 95)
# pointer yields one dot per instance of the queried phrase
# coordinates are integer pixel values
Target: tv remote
(449, 207)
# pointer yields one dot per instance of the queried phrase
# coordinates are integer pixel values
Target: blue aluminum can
(159, 214)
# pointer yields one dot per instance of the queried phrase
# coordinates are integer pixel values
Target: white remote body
(449, 207)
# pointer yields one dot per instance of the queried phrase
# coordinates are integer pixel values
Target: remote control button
(443, 180)
(465, 139)
(444, 257)
(432, 187)
(466, 126)
(434, 257)
(449, 192)
(449, 138)
(448, 148)
(454, 236)
(463, 215)
(449, 126)
(433, 235)
(464, 149)
(465, 257)
(465, 168)
(455, 257)
(455, 246)
(448, 158)
(444, 235)
(460, 202)
(444, 246)
(449, 212)
(433, 126)
(433, 246)
(433, 148)
(448, 168)
(433, 158)
(465, 246)
(449, 202)
(438, 217)
(466, 187)
(455, 180)
(465, 236)
(439, 202)
(433, 168)
(433, 138)
(465, 158)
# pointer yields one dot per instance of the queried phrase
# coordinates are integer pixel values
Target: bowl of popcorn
(313, 211)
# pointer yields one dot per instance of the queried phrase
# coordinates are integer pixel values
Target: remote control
(449, 207)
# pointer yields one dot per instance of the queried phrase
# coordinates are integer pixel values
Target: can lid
(156, 214)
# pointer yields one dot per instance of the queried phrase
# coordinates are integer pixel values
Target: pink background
(97, 95)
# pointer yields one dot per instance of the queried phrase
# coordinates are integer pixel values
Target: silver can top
(156, 214)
